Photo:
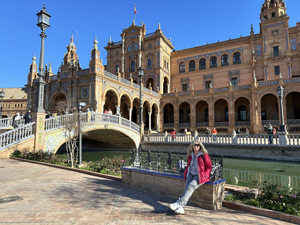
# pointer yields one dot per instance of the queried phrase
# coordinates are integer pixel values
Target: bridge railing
(15, 135)
(6, 122)
(241, 139)
(112, 119)
(61, 121)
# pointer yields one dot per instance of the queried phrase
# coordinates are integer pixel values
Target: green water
(236, 171)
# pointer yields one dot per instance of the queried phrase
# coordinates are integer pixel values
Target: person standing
(214, 133)
(196, 173)
(28, 117)
(270, 133)
(16, 120)
(173, 133)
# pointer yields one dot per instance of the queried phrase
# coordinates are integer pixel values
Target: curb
(262, 212)
(72, 169)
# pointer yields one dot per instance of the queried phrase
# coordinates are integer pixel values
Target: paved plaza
(36, 194)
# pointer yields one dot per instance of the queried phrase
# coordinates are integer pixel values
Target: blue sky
(188, 23)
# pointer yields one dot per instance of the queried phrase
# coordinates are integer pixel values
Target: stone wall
(210, 195)
(250, 152)
(27, 144)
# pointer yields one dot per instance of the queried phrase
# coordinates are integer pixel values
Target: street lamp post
(81, 104)
(140, 75)
(282, 127)
(2, 95)
(43, 23)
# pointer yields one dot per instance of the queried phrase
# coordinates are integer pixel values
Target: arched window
(192, 66)
(132, 66)
(202, 64)
(182, 67)
(242, 113)
(236, 58)
(149, 62)
(117, 68)
(181, 116)
(213, 62)
(225, 61)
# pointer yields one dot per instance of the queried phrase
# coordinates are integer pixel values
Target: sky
(187, 23)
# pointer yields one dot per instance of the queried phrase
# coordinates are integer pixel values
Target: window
(165, 63)
(117, 68)
(182, 67)
(158, 43)
(213, 62)
(277, 70)
(184, 87)
(207, 84)
(150, 45)
(236, 58)
(273, 14)
(192, 66)
(149, 62)
(234, 81)
(117, 52)
(132, 66)
(92, 68)
(242, 113)
(225, 61)
(263, 115)
(276, 51)
(93, 56)
(202, 64)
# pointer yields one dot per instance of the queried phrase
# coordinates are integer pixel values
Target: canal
(236, 171)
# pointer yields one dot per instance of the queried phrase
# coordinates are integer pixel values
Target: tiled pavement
(49, 195)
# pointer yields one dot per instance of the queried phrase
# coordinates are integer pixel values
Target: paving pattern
(36, 194)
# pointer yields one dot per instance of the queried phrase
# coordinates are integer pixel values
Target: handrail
(6, 122)
(10, 137)
(60, 121)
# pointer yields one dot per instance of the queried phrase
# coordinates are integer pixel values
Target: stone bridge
(49, 134)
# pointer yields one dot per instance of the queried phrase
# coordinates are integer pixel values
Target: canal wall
(290, 154)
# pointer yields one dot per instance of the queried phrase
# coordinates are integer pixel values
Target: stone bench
(209, 196)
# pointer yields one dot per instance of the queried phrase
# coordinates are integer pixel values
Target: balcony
(273, 122)
(221, 124)
(225, 64)
(185, 125)
(242, 123)
(202, 68)
(276, 54)
(237, 62)
(213, 66)
(202, 124)
(168, 124)
(293, 121)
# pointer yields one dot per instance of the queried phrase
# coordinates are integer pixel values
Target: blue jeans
(192, 183)
(270, 139)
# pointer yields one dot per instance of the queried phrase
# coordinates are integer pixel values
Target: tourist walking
(270, 133)
(173, 133)
(196, 173)
(28, 117)
(207, 131)
(16, 120)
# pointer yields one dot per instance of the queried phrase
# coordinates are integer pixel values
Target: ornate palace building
(227, 85)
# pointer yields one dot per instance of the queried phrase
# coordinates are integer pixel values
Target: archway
(242, 112)
(269, 110)
(150, 83)
(293, 107)
(221, 113)
(184, 115)
(202, 118)
(154, 117)
(111, 101)
(168, 116)
(135, 110)
(58, 102)
(146, 111)
(125, 106)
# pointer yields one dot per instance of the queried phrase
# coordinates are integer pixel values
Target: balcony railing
(202, 67)
(276, 54)
(221, 124)
(273, 122)
(237, 62)
(184, 124)
(293, 121)
(225, 64)
(202, 124)
(213, 66)
(242, 123)
(168, 124)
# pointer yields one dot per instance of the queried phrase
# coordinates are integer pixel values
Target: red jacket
(203, 170)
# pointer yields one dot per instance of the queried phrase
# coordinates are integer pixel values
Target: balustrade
(16, 135)
(6, 122)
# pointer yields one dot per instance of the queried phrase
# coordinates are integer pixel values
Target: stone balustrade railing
(13, 136)
(241, 139)
(61, 121)
(6, 122)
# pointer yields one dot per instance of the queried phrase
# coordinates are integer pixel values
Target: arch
(202, 64)
(182, 67)
(125, 105)
(132, 47)
(213, 61)
(202, 108)
(55, 99)
(292, 104)
(132, 65)
(237, 58)
(166, 85)
(150, 83)
(221, 111)
(184, 112)
(168, 115)
(242, 111)
(111, 99)
(269, 109)
(192, 65)
(224, 60)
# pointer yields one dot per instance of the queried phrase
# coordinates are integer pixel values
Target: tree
(71, 130)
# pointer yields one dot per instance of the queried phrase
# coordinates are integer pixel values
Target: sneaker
(180, 210)
(174, 206)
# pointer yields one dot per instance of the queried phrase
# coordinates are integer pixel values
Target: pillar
(150, 113)
(157, 122)
(130, 114)
(38, 131)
